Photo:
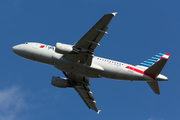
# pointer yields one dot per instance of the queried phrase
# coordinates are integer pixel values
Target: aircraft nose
(17, 49)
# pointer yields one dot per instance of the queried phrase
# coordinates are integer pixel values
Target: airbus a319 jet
(78, 63)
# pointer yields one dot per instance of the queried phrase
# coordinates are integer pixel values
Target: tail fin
(146, 64)
(156, 68)
(152, 68)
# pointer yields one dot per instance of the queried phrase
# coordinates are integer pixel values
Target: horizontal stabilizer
(154, 86)
(156, 68)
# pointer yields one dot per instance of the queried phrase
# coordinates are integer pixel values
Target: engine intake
(63, 48)
(60, 82)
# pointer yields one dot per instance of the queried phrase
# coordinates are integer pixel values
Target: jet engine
(60, 82)
(63, 48)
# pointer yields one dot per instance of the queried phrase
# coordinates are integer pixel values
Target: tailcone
(161, 78)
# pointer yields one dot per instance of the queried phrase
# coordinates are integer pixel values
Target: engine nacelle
(60, 82)
(63, 48)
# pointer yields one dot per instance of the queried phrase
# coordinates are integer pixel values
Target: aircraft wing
(92, 38)
(81, 85)
(86, 45)
(86, 95)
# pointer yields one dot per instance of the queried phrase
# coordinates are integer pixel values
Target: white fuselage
(100, 67)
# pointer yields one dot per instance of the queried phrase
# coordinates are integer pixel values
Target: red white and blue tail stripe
(146, 64)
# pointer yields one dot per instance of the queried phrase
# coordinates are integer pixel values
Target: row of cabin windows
(109, 61)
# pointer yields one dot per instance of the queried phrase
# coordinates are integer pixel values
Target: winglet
(114, 13)
(98, 111)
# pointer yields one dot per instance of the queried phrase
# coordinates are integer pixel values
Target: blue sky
(140, 30)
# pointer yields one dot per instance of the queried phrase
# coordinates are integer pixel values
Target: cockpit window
(25, 43)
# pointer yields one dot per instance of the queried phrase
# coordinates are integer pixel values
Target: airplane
(78, 63)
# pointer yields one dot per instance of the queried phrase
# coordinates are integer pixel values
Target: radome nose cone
(15, 49)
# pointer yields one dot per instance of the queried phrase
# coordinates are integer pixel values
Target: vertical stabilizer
(153, 60)
(152, 68)
(156, 68)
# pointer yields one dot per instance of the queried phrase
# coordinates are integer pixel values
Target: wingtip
(114, 13)
(98, 111)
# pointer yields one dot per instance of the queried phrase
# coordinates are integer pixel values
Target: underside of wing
(86, 45)
(81, 85)
(92, 38)
(86, 95)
